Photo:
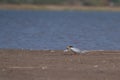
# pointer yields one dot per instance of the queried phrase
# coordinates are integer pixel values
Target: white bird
(75, 50)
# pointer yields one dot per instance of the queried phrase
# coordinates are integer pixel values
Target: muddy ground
(59, 65)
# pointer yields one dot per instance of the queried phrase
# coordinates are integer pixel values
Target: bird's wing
(76, 50)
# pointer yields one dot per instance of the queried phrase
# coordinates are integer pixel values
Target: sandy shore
(58, 65)
(56, 7)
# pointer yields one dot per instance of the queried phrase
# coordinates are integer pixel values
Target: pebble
(52, 51)
(95, 66)
(3, 70)
(104, 61)
(44, 67)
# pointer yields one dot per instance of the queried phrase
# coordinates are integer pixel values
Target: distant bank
(56, 7)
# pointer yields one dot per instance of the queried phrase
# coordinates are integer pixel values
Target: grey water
(41, 30)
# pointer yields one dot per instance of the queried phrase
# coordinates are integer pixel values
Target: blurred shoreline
(56, 7)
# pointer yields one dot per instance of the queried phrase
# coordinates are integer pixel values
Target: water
(57, 29)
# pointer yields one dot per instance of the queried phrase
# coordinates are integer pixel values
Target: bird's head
(68, 47)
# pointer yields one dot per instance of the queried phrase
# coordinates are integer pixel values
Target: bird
(74, 50)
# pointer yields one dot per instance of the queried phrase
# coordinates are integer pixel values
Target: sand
(56, 7)
(58, 65)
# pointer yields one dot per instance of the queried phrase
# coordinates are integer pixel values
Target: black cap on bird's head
(69, 47)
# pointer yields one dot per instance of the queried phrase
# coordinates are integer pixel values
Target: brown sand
(56, 7)
(58, 65)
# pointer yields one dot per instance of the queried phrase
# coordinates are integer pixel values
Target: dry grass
(56, 7)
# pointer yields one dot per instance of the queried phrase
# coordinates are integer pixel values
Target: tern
(74, 50)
